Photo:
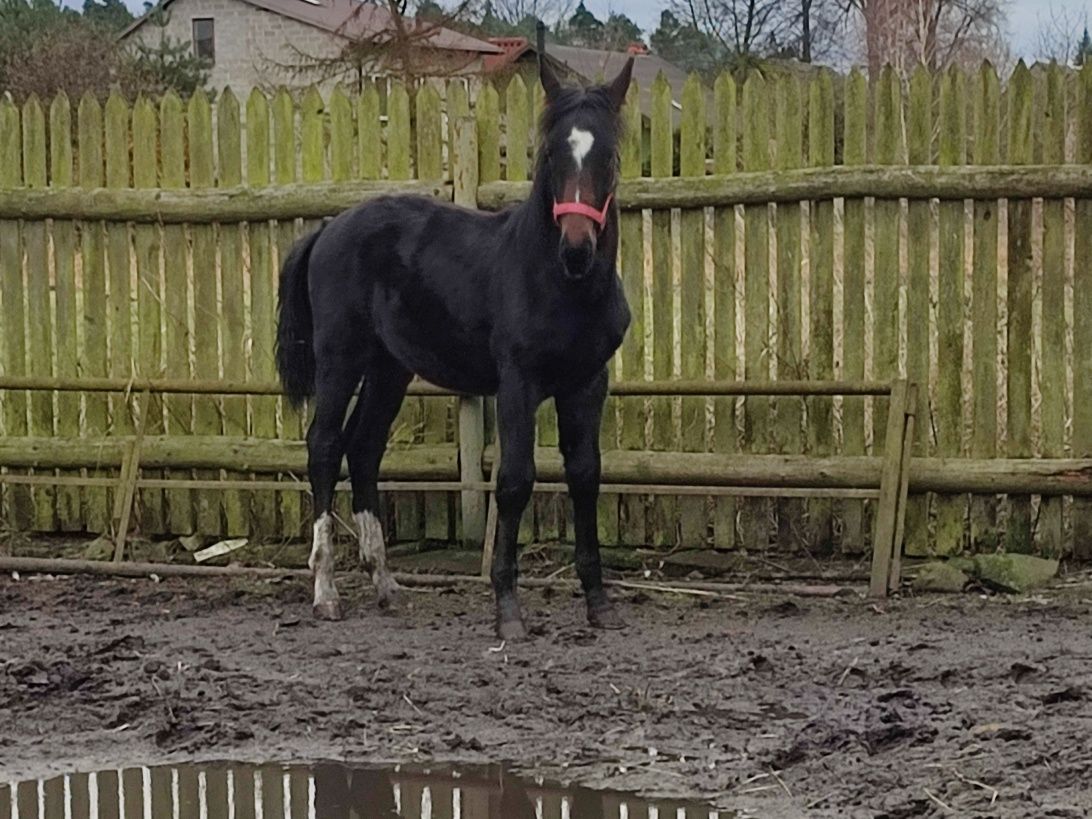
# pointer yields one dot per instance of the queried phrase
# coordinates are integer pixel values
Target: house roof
(354, 19)
(597, 65)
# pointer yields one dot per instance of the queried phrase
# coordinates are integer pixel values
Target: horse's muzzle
(577, 258)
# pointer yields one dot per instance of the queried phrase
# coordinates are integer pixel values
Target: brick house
(265, 43)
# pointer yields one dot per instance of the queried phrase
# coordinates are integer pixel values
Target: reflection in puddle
(320, 791)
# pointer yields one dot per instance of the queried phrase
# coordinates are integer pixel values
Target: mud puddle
(327, 790)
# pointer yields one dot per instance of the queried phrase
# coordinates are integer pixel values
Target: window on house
(204, 45)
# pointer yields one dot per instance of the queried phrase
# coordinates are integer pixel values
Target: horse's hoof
(328, 610)
(387, 591)
(511, 631)
(606, 617)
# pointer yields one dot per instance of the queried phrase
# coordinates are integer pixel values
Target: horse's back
(415, 274)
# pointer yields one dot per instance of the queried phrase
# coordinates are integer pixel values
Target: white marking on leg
(322, 560)
(581, 142)
(373, 554)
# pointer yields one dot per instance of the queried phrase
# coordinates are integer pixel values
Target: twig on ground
(994, 792)
(846, 673)
(781, 782)
(936, 799)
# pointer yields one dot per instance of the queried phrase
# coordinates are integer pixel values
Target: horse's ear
(619, 86)
(550, 83)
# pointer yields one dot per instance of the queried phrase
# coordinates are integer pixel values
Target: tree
(619, 32)
(384, 37)
(1084, 49)
(1063, 37)
(169, 64)
(933, 33)
(111, 15)
(584, 28)
(744, 32)
(683, 44)
(506, 18)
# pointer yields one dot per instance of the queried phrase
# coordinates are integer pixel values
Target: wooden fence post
(471, 409)
(884, 545)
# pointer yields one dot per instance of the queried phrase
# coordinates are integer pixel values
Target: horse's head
(580, 130)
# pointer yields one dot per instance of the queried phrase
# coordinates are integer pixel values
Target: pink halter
(579, 208)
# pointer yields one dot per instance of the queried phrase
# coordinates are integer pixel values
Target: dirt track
(783, 707)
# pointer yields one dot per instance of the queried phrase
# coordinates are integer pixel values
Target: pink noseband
(580, 209)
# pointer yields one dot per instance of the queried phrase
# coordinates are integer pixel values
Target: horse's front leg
(578, 417)
(516, 404)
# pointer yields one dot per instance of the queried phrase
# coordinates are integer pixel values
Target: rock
(101, 548)
(1014, 573)
(940, 576)
(191, 543)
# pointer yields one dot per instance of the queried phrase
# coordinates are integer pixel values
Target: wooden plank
(820, 429)
(232, 313)
(263, 301)
(312, 149)
(1052, 375)
(206, 416)
(407, 426)
(518, 126)
(890, 150)
(20, 504)
(1018, 536)
(176, 339)
(94, 318)
(919, 129)
(119, 316)
(894, 575)
(754, 515)
(148, 342)
(746, 188)
(632, 253)
(1082, 324)
(692, 336)
(853, 303)
(435, 412)
(664, 514)
(950, 512)
(883, 542)
(788, 427)
(369, 135)
(458, 106)
(127, 485)
(984, 534)
(724, 299)
(119, 302)
(341, 135)
(290, 504)
(487, 110)
(65, 330)
(39, 329)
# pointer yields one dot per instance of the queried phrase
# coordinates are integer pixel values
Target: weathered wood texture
(161, 261)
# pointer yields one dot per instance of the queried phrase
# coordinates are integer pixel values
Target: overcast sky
(1024, 16)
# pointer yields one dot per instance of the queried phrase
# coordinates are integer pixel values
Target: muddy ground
(776, 706)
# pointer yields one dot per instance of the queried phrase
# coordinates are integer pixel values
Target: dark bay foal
(525, 304)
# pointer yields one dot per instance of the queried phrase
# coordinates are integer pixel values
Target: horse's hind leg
(334, 385)
(385, 382)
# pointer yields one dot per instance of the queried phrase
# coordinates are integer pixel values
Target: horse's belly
(440, 356)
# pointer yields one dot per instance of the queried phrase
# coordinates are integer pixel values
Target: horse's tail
(295, 333)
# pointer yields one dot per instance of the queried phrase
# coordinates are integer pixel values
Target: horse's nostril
(577, 258)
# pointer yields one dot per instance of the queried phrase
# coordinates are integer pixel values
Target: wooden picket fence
(929, 227)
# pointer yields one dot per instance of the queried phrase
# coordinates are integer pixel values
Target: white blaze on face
(581, 142)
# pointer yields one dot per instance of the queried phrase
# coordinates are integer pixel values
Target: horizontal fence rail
(857, 182)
